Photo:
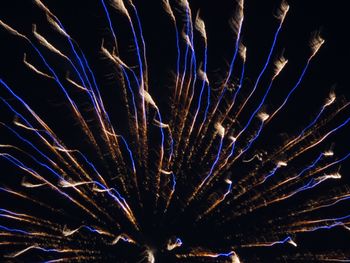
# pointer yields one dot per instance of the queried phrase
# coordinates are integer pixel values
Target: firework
(120, 162)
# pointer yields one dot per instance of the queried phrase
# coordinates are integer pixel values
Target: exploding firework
(177, 156)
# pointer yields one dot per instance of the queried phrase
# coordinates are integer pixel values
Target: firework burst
(123, 160)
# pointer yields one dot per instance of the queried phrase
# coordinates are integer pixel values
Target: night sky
(85, 22)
